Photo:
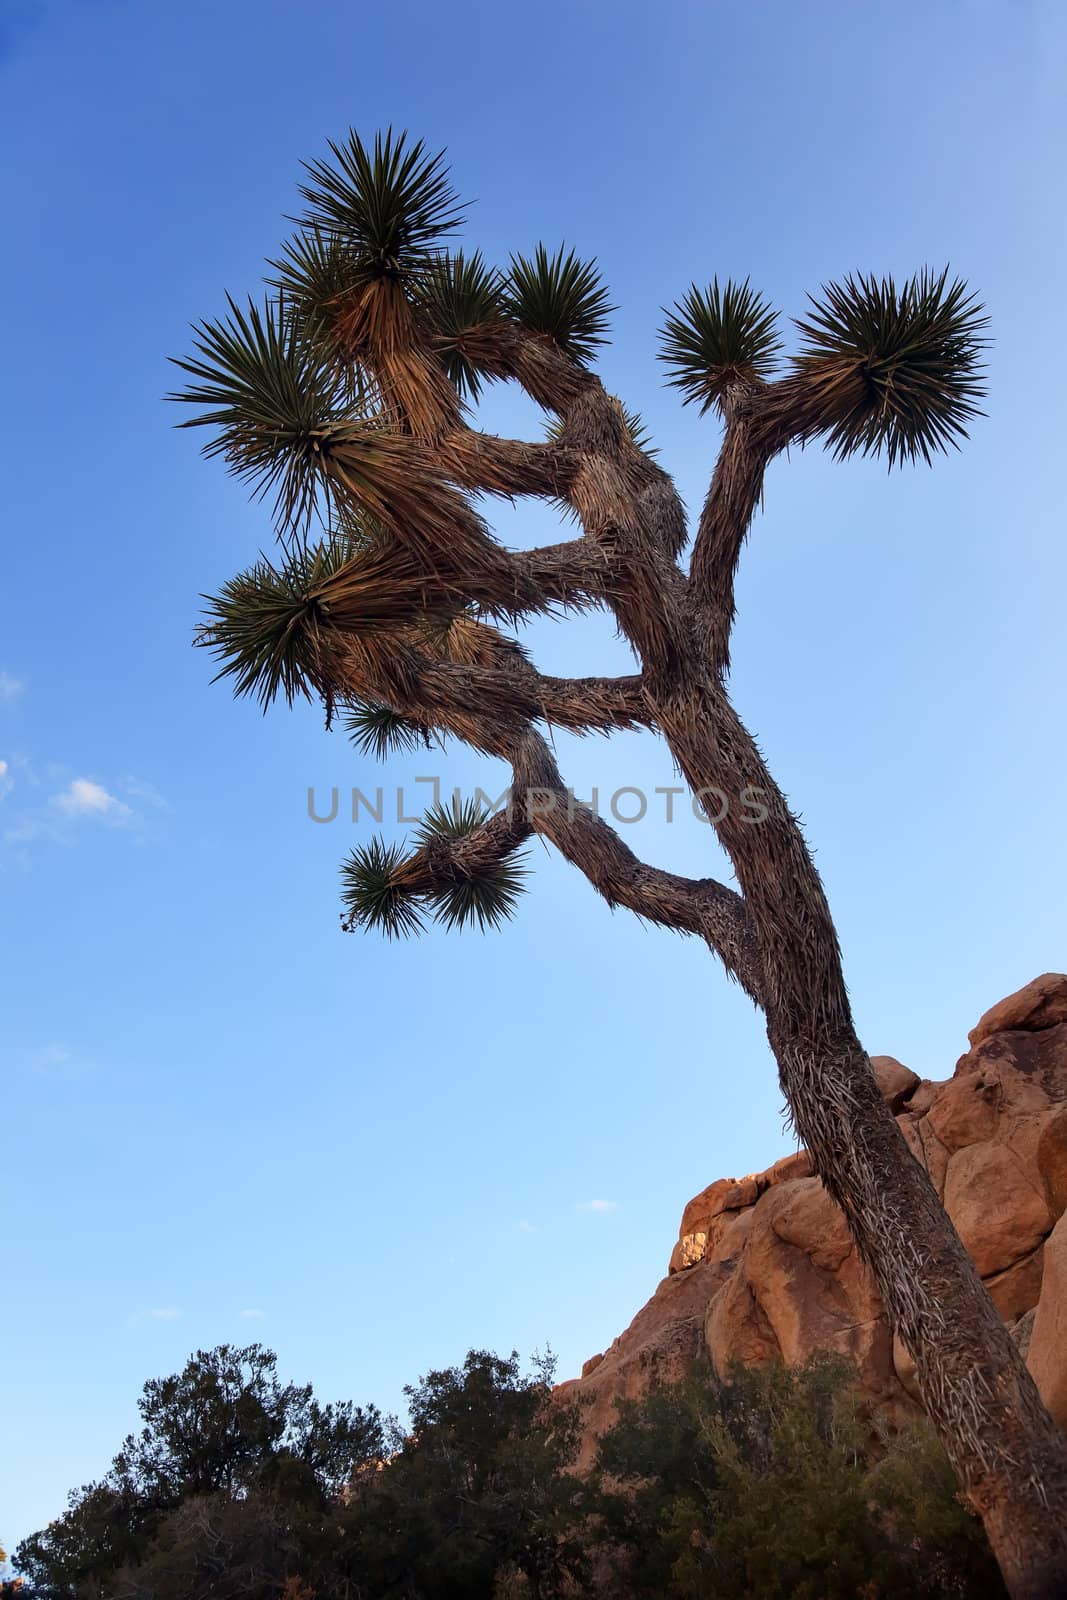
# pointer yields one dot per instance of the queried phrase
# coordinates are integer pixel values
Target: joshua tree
(345, 395)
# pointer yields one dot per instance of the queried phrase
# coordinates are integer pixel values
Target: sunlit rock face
(764, 1268)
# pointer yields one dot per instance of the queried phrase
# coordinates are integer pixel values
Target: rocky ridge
(764, 1268)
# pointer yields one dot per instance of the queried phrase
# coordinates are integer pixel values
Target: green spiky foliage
(272, 402)
(376, 887)
(894, 370)
(390, 206)
(561, 296)
(458, 295)
(313, 277)
(265, 626)
(313, 269)
(378, 731)
(485, 900)
(282, 421)
(373, 895)
(453, 821)
(715, 338)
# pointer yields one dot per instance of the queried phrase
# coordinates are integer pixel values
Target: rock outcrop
(764, 1267)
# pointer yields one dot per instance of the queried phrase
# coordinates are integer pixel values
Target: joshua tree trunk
(976, 1389)
(388, 619)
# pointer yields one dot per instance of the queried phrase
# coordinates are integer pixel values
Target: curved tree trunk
(361, 633)
(1010, 1455)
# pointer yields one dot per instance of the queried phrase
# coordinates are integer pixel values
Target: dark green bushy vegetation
(240, 1488)
(767, 1488)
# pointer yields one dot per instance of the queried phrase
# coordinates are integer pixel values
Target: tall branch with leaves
(345, 396)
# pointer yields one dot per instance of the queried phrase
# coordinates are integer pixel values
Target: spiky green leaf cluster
(452, 821)
(265, 626)
(458, 294)
(390, 206)
(373, 898)
(376, 896)
(485, 900)
(272, 402)
(894, 369)
(561, 296)
(378, 731)
(314, 271)
(286, 418)
(313, 266)
(715, 338)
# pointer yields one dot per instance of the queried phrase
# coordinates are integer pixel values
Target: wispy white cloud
(72, 805)
(525, 1226)
(164, 1313)
(27, 829)
(143, 793)
(55, 1061)
(84, 798)
(598, 1207)
(252, 1313)
(10, 688)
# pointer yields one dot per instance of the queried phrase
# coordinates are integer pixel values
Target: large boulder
(996, 1204)
(1051, 1157)
(896, 1081)
(1040, 1004)
(1047, 1354)
(765, 1269)
(799, 1286)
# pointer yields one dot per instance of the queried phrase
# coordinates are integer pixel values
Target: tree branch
(485, 704)
(539, 803)
(698, 906)
(735, 492)
(494, 465)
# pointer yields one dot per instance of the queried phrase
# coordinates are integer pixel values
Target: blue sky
(224, 1120)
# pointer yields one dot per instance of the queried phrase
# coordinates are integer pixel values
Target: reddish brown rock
(926, 1147)
(1015, 1292)
(708, 1217)
(733, 1237)
(808, 1289)
(707, 1204)
(745, 1192)
(921, 1099)
(737, 1329)
(788, 1169)
(660, 1344)
(1047, 1356)
(765, 1269)
(1040, 1004)
(984, 1090)
(896, 1081)
(1022, 1331)
(1021, 1133)
(687, 1252)
(1038, 1059)
(1051, 1157)
(998, 1210)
